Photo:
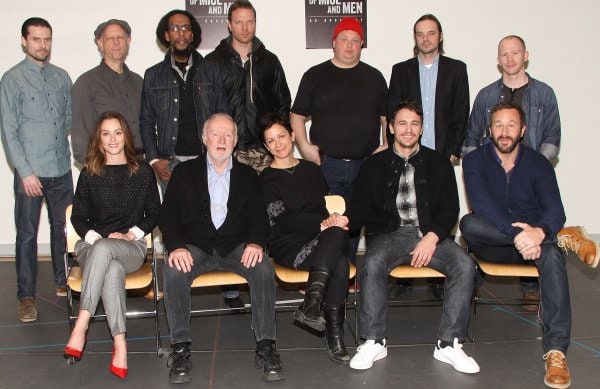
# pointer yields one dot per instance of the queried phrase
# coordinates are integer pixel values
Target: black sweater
(295, 205)
(115, 201)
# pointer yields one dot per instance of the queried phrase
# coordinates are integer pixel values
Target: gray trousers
(104, 265)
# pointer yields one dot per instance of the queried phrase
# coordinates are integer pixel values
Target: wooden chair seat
(136, 280)
(218, 278)
(292, 276)
(407, 271)
(508, 269)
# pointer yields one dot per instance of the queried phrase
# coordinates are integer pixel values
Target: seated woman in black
(116, 204)
(293, 191)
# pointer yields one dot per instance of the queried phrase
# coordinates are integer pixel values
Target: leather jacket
(254, 88)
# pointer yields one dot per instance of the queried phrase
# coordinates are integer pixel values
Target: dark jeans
(489, 244)
(340, 175)
(261, 282)
(385, 252)
(58, 194)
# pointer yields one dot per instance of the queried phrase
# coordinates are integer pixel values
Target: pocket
(206, 91)
(161, 100)
(33, 105)
(61, 102)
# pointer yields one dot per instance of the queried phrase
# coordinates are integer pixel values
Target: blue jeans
(340, 175)
(385, 252)
(261, 282)
(58, 194)
(489, 244)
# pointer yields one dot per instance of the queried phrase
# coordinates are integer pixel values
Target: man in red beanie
(345, 99)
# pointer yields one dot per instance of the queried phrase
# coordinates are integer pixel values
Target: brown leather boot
(557, 371)
(575, 239)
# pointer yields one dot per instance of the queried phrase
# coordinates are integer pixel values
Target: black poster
(322, 16)
(212, 16)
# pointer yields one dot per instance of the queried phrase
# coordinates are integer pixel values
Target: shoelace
(179, 359)
(556, 359)
(569, 242)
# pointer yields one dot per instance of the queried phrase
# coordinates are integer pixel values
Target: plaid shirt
(406, 200)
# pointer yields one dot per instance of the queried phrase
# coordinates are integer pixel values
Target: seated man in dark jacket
(517, 212)
(213, 218)
(406, 197)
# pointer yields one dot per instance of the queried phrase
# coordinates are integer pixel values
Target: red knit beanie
(348, 23)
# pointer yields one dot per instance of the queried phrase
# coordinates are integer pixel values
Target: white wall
(561, 38)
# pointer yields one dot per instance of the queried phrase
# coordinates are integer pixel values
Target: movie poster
(212, 16)
(322, 16)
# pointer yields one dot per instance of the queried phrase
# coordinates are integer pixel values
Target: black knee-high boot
(334, 333)
(310, 311)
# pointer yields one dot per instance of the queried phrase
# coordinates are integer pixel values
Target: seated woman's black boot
(334, 333)
(310, 312)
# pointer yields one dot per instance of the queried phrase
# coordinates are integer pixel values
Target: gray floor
(507, 345)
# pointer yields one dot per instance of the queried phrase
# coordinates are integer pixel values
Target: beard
(182, 53)
(506, 149)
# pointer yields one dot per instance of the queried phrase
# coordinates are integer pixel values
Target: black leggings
(331, 252)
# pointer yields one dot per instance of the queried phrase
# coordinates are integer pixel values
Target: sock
(264, 343)
(179, 347)
(443, 344)
(380, 341)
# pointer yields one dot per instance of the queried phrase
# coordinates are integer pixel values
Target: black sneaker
(180, 362)
(267, 360)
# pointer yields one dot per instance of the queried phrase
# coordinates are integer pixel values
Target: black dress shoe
(180, 362)
(234, 302)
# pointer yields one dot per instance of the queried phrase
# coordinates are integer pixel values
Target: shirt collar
(434, 63)
(34, 65)
(411, 154)
(211, 166)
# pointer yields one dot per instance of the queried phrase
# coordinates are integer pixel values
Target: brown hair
(96, 158)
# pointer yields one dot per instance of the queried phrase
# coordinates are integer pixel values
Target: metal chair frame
(147, 275)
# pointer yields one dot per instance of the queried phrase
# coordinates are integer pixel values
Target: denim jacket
(541, 112)
(159, 112)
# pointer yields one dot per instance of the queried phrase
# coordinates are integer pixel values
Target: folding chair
(141, 278)
(501, 270)
(218, 278)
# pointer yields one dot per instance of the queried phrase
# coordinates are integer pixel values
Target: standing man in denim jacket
(35, 117)
(178, 95)
(535, 97)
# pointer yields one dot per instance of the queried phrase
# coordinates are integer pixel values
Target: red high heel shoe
(73, 355)
(120, 372)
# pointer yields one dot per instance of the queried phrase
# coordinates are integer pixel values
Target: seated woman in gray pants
(116, 204)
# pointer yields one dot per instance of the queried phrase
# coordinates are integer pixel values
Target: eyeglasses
(183, 28)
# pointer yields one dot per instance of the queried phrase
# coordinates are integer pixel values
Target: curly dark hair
(163, 26)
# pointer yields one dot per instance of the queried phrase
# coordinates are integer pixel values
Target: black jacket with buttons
(374, 193)
(185, 216)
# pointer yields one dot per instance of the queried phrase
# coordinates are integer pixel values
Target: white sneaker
(367, 353)
(456, 357)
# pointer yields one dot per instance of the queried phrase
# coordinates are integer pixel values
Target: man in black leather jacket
(254, 81)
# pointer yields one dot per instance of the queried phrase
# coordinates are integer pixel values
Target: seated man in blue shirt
(517, 212)
(213, 218)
